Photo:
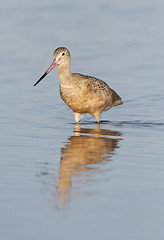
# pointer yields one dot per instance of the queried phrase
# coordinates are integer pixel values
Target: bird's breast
(82, 100)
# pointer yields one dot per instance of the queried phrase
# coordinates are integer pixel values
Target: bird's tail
(118, 102)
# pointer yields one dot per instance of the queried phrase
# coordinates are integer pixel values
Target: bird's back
(98, 87)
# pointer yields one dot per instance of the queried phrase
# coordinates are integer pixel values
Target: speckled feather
(92, 95)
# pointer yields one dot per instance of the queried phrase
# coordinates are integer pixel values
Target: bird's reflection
(86, 148)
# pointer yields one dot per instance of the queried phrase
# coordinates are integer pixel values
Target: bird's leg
(97, 116)
(78, 116)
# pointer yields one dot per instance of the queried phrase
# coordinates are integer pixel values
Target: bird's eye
(63, 53)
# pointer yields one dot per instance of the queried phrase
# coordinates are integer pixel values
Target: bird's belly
(84, 101)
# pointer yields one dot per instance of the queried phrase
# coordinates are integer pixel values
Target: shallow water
(63, 181)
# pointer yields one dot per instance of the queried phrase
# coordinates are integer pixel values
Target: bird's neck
(64, 73)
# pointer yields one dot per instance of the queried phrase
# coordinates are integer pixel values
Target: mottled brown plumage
(83, 94)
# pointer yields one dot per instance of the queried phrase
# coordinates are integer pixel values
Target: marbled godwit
(83, 94)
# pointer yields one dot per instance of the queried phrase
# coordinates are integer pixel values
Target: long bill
(54, 64)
